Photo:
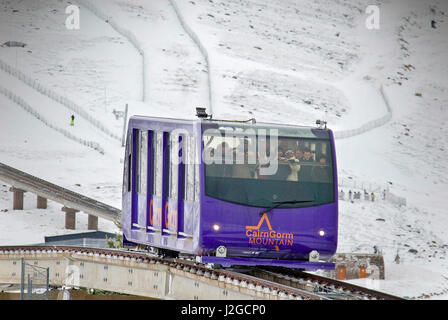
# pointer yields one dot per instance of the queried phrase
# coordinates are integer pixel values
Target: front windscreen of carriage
(264, 165)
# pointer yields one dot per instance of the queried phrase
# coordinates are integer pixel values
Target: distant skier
(397, 258)
(72, 122)
(372, 195)
(341, 195)
(433, 24)
(366, 195)
(350, 195)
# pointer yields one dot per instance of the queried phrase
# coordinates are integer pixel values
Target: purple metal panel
(150, 185)
(160, 124)
(134, 205)
(335, 218)
(286, 233)
(165, 180)
(159, 207)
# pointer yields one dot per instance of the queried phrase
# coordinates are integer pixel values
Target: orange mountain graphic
(257, 227)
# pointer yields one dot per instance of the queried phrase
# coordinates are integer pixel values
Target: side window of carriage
(191, 190)
(143, 161)
(189, 168)
(138, 158)
(174, 165)
(158, 163)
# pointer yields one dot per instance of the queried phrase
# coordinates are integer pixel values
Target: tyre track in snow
(201, 47)
(123, 32)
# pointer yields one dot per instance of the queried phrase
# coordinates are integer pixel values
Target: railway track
(259, 283)
(323, 286)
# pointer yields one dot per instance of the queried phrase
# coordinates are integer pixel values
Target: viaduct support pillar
(18, 198)
(70, 218)
(92, 222)
(41, 203)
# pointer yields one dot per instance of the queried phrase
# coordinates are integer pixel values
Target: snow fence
(373, 124)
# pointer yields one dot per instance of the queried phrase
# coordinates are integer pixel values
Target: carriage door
(174, 218)
(170, 174)
(127, 179)
(140, 177)
(155, 181)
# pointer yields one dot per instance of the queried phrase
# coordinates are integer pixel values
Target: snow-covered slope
(288, 61)
(94, 66)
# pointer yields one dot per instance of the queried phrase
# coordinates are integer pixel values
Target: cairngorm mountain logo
(271, 237)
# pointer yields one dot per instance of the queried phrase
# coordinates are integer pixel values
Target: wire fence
(356, 190)
(35, 282)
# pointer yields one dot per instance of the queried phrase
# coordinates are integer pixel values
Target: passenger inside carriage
(321, 172)
(239, 180)
(307, 165)
(294, 166)
(245, 161)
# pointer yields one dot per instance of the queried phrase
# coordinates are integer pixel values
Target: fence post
(22, 280)
(48, 284)
(30, 289)
(124, 125)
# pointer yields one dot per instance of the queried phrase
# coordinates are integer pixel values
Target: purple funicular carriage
(231, 192)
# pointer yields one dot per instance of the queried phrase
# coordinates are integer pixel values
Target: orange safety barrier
(362, 272)
(341, 273)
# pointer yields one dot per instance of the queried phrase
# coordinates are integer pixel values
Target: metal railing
(36, 280)
(24, 181)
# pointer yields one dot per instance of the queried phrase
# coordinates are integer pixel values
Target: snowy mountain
(383, 91)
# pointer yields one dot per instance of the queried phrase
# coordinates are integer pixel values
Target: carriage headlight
(216, 227)
(321, 233)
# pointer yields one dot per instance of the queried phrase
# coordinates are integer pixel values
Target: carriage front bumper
(293, 264)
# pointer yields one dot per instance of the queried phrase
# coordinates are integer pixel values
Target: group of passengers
(302, 166)
(295, 163)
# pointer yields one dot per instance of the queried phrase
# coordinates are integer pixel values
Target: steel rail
(328, 287)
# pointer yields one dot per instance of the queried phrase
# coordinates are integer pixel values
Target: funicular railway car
(231, 193)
